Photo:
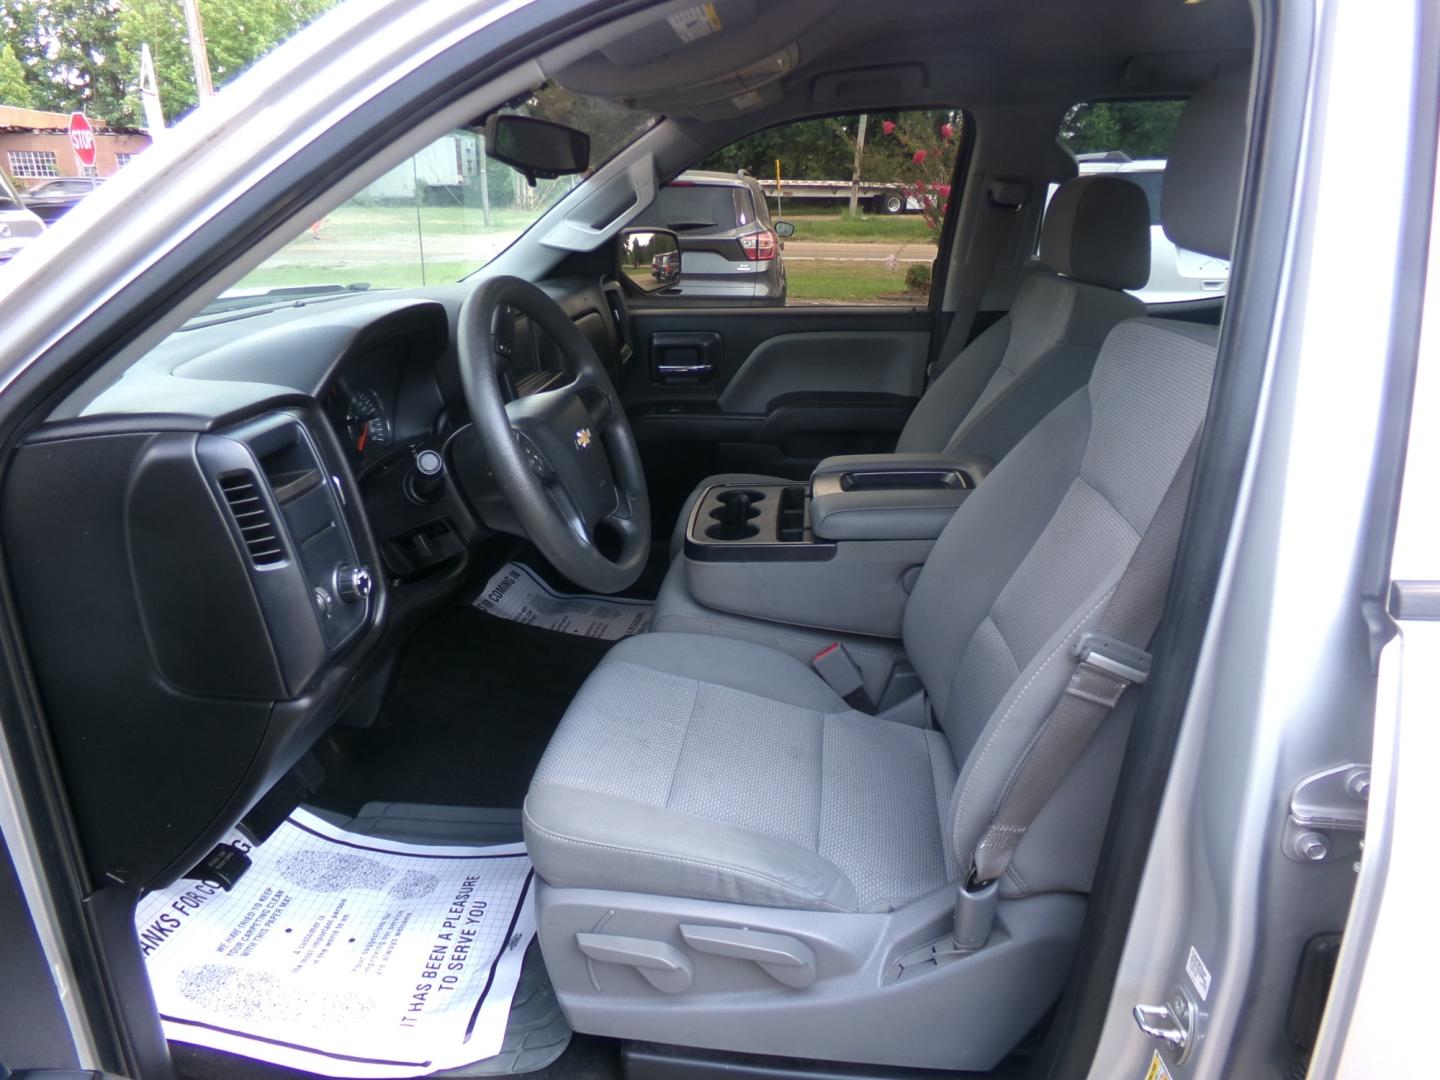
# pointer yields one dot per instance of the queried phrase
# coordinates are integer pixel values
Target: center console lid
(890, 496)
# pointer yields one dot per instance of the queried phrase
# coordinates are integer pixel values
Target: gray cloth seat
(731, 857)
(1095, 242)
(734, 773)
(683, 765)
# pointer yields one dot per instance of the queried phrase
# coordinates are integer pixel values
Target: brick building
(35, 146)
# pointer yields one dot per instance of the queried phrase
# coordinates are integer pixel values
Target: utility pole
(484, 183)
(855, 173)
(204, 88)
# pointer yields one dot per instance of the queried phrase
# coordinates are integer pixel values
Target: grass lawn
(868, 228)
(350, 221)
(812, 282)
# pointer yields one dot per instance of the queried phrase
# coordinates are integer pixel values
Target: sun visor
(675, 30)
(696, 52)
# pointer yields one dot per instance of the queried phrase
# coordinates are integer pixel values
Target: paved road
(849, 251)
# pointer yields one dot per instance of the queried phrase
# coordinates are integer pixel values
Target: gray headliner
(1038, 52)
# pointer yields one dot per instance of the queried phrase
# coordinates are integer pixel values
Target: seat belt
(1004, 199)
(1107, 664)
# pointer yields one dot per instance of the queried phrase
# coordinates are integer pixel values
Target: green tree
(237, 33)
(67, 50)
(1142, 129)
(825, 149)
(14, 90)
(85, 54)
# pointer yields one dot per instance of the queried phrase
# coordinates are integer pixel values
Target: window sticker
(1199, 973)
(694, 23)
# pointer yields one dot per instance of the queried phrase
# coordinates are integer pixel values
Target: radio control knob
(353, 583)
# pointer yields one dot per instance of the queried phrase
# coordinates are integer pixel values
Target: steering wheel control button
(427, 478)
(323, 601)
(353, 583)
(534, 459)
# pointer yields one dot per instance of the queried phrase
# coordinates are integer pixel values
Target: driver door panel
(746, 390)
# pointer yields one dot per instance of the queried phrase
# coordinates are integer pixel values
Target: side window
(865, 196)
(1131, 140)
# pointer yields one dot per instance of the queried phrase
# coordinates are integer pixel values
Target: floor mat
(520, 594)
(348, 955)
(474, 704)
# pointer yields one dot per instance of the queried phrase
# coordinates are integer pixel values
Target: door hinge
(1327, 815)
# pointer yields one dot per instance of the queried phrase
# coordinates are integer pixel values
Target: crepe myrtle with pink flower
(931, 164)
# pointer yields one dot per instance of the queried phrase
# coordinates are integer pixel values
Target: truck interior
(245, 553)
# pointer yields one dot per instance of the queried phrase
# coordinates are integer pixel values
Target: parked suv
(18, 226)
(1175, 273)
(729, 248)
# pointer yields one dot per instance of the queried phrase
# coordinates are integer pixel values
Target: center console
(840, 552)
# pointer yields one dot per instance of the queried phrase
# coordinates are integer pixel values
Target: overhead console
(840, 553)
(196, 602)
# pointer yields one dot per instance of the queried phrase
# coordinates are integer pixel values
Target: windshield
(438, 216)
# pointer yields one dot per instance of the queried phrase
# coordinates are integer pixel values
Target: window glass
(866, 196)
(438, 216)
(33, 163)
(1131, 140)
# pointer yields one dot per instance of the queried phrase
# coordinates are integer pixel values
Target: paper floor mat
(343, 954)
(519, 594)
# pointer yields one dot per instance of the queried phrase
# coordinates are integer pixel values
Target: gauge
(365, 422)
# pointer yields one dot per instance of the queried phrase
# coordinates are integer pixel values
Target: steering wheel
(565, 459)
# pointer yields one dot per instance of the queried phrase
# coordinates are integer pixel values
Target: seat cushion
(724, 770)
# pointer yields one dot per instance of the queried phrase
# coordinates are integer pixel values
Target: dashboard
(238, 533)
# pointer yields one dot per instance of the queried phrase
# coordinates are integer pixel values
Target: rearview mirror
(537, 148)
(784, 229)
(650, 258)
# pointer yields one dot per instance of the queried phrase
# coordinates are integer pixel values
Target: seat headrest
(1201, 197)
(1097, 229)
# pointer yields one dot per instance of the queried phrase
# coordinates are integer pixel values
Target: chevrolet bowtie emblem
(582, 439)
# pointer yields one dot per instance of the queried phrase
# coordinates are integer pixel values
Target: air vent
(257, 528)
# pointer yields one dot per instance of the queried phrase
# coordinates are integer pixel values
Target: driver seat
(732, 858)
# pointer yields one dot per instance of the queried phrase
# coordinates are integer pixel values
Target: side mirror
(537, 148)
(650, 258)
(784, 229)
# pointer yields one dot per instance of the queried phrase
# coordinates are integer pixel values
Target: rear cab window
(1131, 140)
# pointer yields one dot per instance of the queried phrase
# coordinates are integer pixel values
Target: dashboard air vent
(257, 528)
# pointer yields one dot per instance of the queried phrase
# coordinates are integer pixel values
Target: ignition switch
(427, 478)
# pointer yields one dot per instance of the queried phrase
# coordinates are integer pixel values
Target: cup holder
(732, 532)
(734, 514)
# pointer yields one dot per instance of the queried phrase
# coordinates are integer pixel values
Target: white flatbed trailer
(884, 198)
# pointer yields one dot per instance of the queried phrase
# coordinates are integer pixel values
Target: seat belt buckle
(1113, 657)
(975, 905)
(833, 664)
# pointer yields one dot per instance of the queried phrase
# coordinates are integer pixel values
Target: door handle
(684, 371)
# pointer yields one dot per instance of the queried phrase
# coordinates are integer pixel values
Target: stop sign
(82, 138)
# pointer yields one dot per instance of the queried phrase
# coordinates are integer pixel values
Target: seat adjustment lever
(663, 966)
(785, 959)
